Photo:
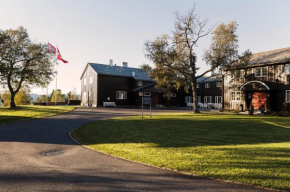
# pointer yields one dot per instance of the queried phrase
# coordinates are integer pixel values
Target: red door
(259, 99)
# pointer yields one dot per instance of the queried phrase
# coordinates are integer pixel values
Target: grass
(247, 149)
(29, 112)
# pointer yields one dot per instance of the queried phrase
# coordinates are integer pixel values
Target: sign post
(146, 101)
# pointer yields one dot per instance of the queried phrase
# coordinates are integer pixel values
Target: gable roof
(105, 69)
(271, 57)
(212, 78)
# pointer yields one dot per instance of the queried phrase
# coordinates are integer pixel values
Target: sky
(99, 30)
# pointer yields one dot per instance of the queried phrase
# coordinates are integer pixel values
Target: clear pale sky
(96, 31)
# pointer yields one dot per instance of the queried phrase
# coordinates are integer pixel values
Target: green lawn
(21, 113)
(248, 149)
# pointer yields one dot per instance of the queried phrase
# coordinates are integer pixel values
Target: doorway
(259, 99)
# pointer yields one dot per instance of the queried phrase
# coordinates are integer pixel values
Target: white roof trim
(255, 82)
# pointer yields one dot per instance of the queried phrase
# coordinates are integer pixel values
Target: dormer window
(207, 85)
(197, 85)
(139, 83)
(261, 72)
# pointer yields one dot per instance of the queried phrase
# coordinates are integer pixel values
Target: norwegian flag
(60, 58)
(56, 52)
(51, 48)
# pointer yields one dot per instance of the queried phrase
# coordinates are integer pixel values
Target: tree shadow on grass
(184, 133)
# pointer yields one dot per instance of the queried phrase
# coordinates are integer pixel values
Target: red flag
(51, 48)
(59, 57)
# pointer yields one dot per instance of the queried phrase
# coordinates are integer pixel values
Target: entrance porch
(259, 94)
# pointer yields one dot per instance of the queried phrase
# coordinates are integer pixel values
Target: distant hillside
(34, 96)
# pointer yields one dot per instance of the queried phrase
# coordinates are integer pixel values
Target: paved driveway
(39, 155)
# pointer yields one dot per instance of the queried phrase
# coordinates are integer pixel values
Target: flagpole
(46, 93)
(55, 95)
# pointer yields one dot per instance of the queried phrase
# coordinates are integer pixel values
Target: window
(207, 99)
(197, 85)
(85, 81)
(147, 94)
(121, 95)
(218, 99)
(261, 72)
(287, 96)
(140, 94)
(139, 83)
(207, 85)
(188, 99)
(218, 84)
(91, 79)
(199, 99)
(236, 75)
(236, 95)
(84, 97)
(287, 68)
(90, 97)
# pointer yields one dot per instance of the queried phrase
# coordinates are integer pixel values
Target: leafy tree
(59, 97)
(174, 57)
(72, 95)
(223, 52)
(22, 97)
(42, 98)
(22, 61)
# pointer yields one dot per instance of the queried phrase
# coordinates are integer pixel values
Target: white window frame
(218, 99)
(218, 84)
(121, 95)
(85, 81)
(84, 97)
(287, 69)
(197, 85)
(188, 99)
(260, 71)
(147, 94)
(91, 79)
(207, 85)
(236, 96)
(287, 100)
(139, 83)
(206, 98)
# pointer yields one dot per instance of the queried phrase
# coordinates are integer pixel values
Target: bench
(188, 104)
(109, 104)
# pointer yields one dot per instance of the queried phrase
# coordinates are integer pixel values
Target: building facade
(262, 84)
(110, 83)
(125, 86)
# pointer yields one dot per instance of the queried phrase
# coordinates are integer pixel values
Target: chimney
(111, 62)
(133, 74)
(125, 64)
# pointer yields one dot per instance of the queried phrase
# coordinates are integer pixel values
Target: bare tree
(174, 57)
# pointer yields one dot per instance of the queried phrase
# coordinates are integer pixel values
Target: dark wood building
(111, 83)
(263, 83)
(125, 86)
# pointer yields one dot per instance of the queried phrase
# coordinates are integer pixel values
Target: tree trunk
(12, 102)
(194, 96)
(223, 91)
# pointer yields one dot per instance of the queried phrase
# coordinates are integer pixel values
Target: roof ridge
(113, 65)
(272, 50)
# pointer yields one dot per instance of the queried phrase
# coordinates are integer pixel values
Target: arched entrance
(258, 94)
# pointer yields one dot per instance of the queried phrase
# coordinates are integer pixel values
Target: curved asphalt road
(39, 155)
